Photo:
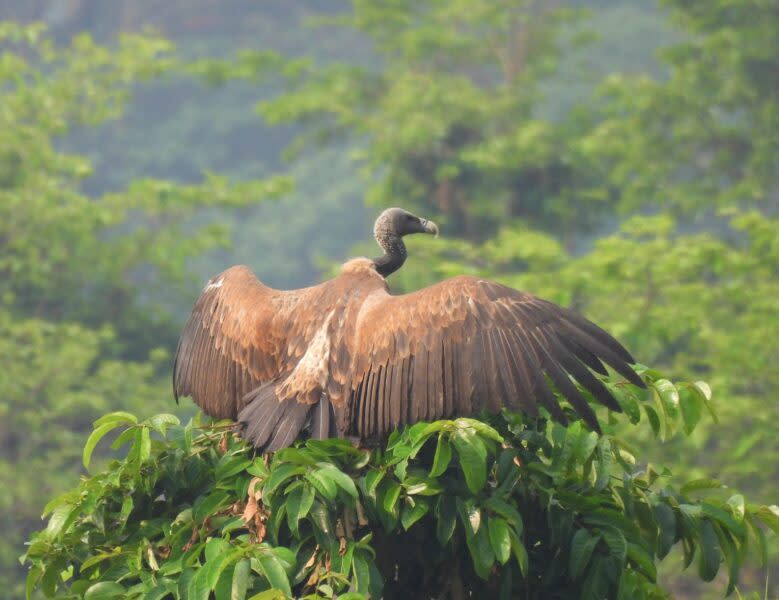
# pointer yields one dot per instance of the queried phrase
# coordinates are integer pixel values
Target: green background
(620, 158)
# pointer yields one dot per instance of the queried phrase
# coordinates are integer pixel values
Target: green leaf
(286, 557)
(705, 391)
(446, 515)
(163, 589)
(61, 515)
(704, 483)
(104, 590)
(390, 496)
(205, 506)
(144, 444)
(470, 515)
(198, 588)
(422, 486)
(185, 581)
(231, 465)
(520, 553)
(733, 557)
(341, 479)
(274, 572)
(770, 516)
(582, 545)
(97, 559)
(724, 518)
(214, 568)
(420, 432)
(258, 469)
(691, 404)
(362, 573)
(482, 429)
(666, 522)
(321, 518)
(240, 580)
(324, 485)
(737, 504)
(499, 539)
(473, 458)
(52, 577)
(33, 578)
(627, 400)
(507, 511)
(95, 437)
(118, 417)
(603, 464)
(481, 552)
(654, 420)
(759, 535)
(127, 436)
(643, 560)
(299, 502)
(443, 454)
(66, 498)
(669, 395)
(279, 475)
(412, 513)
(710, 554)
(617, 544)
(372, 480)
(583, 445)
(161, 422)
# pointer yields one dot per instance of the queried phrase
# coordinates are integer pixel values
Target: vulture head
(389, 230)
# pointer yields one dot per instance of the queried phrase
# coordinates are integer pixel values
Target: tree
(76, 336)
(508, 507)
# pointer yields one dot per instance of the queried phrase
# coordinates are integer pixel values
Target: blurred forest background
(618, 157)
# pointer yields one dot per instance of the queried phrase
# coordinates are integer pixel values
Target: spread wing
(241, 334)
(468, 344)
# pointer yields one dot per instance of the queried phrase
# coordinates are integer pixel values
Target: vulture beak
(430, 227)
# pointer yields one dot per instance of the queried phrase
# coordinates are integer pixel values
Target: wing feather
(320, 421)
(239, 336)
(467, 344)
(448, 392)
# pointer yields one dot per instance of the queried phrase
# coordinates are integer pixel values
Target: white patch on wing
(214, 284)
(314, 363)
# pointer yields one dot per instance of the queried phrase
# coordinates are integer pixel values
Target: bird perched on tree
(346, 357)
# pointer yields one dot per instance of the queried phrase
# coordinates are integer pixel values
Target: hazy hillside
(178, 129)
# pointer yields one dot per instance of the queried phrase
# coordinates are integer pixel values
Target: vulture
(348, 358)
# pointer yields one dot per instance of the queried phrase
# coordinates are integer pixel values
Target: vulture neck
(394, 254)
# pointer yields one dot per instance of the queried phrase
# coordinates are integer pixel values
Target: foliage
(449, 118)
(84, 280)
(706, 137)
(510, 507)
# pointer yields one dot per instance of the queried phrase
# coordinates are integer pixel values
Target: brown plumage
(348, 358)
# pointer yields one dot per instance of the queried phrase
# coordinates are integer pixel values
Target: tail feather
(260, 414)
(323, 420)
(271, 424)
(289, 425)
